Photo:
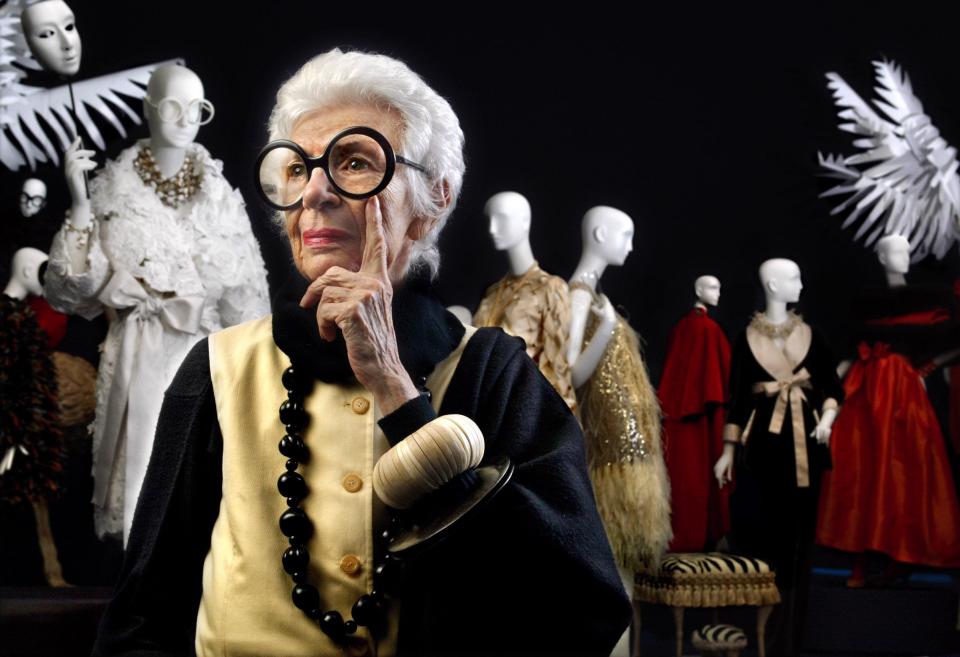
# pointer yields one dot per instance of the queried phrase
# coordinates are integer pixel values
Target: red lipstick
(321, 237)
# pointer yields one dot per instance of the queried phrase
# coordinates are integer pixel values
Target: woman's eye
(357, 164)
(296, 170)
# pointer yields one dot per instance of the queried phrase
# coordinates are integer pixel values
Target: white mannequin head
(707, 289)
(893, 252)
(25, 273)
(52, 36)
(33, 196)
(607, 234)
(781, 280)
(182, 85)
(509, 214)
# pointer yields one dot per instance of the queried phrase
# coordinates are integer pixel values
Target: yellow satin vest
(246, 610)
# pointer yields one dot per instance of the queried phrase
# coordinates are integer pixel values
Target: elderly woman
(365, 166)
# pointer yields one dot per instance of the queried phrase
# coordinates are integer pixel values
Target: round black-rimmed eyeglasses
(359, 163)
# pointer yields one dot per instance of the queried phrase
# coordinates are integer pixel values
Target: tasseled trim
(705, 590)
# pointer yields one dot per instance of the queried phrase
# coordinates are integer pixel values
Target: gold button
(360, 405)
(350, 565)
(352, 483)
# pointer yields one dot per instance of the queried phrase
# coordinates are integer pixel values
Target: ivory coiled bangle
(427, 459)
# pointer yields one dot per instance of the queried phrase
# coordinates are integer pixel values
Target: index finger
(375, 244)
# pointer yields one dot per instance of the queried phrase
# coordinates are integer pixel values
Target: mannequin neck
(521, 258)
(16, 289)
(895, 280)
(589, 269)
(776, 311)
(701, 305)
(169, 159)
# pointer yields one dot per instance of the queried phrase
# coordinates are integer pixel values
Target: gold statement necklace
(175, 190)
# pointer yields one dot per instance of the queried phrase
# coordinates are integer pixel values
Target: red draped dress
(891, 489)
(693, 390)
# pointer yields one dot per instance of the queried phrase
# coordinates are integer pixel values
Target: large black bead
(294, 522)
(305, 596)
(350, 627)
(296, 559)
(290, 379)
(293, 447)
(292, 484)
(292, 414)
(367, 611)
(332, 625)
(387, 575)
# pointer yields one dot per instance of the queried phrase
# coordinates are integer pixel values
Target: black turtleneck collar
(426, 332)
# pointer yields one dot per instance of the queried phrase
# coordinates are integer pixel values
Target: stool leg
(678, 623)
(635, 648)
(763, 613)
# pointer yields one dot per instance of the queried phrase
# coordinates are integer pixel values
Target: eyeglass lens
(198, 110)
(357, 164)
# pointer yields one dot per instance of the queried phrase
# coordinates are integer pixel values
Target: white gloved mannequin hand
(824, 427)
(77, 161)
(723, 469)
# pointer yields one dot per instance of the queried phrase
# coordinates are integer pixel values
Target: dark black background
(702, 123)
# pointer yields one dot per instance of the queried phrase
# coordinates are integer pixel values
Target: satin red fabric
(693, 389)
(53, 322)
(891, 489)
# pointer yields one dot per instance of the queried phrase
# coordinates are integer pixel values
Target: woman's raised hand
(360, 304)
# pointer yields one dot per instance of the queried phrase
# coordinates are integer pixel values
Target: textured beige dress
(534, 306)
(621, 423)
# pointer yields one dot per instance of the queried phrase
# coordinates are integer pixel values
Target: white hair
(431, 133)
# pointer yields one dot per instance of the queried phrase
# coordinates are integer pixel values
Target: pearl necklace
(173, 191)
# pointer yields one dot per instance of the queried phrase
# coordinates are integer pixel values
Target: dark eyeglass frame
(322, 162)
(34, 201)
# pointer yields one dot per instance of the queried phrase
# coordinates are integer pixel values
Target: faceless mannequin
(893, 252)
(528, 302)
(169, 141)
(707, 289)
(25, 273)
(607, 235)
(462, 313)
(52, 36)
(33, 197)
(781, 285)
(509, 214)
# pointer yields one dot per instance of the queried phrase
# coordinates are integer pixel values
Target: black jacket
(530, 574)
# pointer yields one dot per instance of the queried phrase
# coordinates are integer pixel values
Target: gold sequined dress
(534, 306)
(621, 423)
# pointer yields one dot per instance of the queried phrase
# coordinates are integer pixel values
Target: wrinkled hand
(360, 305)
(723, 469)
(76, 162)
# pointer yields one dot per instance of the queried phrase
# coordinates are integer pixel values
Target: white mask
(52, 36)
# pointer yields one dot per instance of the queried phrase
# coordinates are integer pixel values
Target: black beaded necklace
(370, 609)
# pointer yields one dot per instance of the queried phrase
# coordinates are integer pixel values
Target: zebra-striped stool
(709, 580)
(719, 640)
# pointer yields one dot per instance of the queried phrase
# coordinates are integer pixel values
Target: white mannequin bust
(52, 36)
(33, 197)
(707, 289)
(509, 215)
(169, 141)
(782, 284)
(25, 273)
(607, 235)
(893, 252)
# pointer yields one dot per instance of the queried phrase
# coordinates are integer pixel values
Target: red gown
(693, 390)
(891, 489)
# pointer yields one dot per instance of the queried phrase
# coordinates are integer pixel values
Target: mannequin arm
(76, 162)
(72, 291)
(723, 469)
(590, 357)
(580, 302)
(843, 368)
(825, 425)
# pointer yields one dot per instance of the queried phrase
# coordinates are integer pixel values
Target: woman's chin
(313, 265)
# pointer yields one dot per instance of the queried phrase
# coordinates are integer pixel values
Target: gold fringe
(621, 423)
(704, 590)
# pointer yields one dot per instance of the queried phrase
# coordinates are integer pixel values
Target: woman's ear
(441, 194)
(420, 227)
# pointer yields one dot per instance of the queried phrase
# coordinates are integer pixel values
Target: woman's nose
(319, 191)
